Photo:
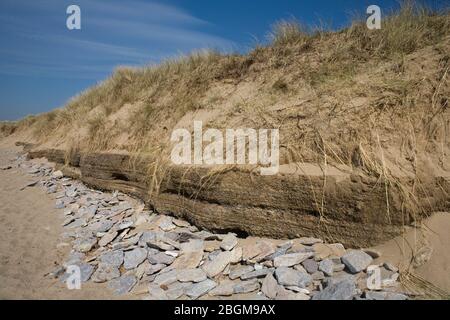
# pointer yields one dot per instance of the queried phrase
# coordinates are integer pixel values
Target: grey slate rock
(246, 286)
(310, 265)
(343, 290)
(123, 284)
(290, 277)
(356, 260)
(134, 258)
(114, 258)
(199, 289)
(327, 267)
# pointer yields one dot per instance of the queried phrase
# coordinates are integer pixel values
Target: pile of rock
(115, 240)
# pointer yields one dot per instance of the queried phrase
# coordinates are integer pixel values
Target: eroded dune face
(363, 126)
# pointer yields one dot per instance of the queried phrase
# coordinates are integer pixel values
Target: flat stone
(323, 251)
(57, 174)
(310, 265)
(166, 277)
(258, 251)
(218, 264)
(188, 260)
(238, 270)
(229, 242)
(114, 258)
(105, 272)
(192, 245)
(85, 245)
(291, 259)
(289, 277)
(134, 258)
(284, 294)
(270, 286)
(211, 246)
(327, 267)
(246, 286)
(165, 223)
(356, 260)
(122, 284)
(201, 288)
(383, 295)
(160, 258)
(256, 274)
(191, 275)
(101, 226)
(343, 290)
(154, 268)
(107, 238)
(124, 224)
(225, 288)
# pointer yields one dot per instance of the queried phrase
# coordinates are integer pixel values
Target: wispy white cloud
(113, 33)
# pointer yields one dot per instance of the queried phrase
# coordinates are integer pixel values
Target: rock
(57, 174)
(134, 258)
(165, 223)
(356, 260)
(225, 288)
(5, 168)
(192, 245)
(166, 278)
(177, 289)
(323, 251)
(211, 246)
(124, 224)
(236, 255)
(122, 284)
(218, 264)
(326, 266)
(338, 267)
(318, 275)
(85, 245)
(383, 295)
(160, 258)
(291, 259)
(107, 238)
(300, 268)
(101, 226)
(343, 290)
(258, 251)
(256, 274)
(191, 275)
(105, 272)
(114, 258)
(281, 250)
(229, 242)
(307, 241)
(154, 268)
(156, 292)
(289, 277)
(284, 294)
(238, 270)
(298, 289)
(310, 265)
(270, 286)
(246, 286)
(188, 260)
(201, 288)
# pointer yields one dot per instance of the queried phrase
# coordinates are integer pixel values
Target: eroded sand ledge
(339, 205)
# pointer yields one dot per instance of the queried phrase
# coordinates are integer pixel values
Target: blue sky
(43, 64)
